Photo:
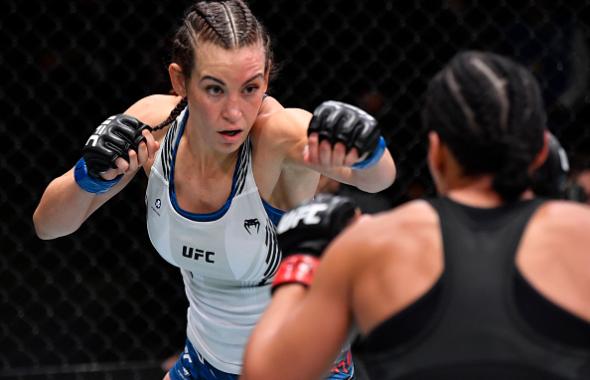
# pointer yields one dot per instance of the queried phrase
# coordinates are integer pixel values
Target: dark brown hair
(229, 24)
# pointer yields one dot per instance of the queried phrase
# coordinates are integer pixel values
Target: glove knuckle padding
(113, 138)
(310, 227)
(345, 130)
(340, 122)
(367, 137)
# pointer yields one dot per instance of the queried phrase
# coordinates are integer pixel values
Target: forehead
(222, 63)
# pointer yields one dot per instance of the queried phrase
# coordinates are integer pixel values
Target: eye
(251, 89)
(214, 90)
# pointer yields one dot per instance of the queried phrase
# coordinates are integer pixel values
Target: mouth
(230, 133)
(231, 136)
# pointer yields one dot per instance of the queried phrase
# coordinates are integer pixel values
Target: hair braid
(173, 114)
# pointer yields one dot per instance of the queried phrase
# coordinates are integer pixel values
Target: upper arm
(279, 139)
(285, 129)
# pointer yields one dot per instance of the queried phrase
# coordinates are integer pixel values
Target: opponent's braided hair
(489, 111)
(226, 23)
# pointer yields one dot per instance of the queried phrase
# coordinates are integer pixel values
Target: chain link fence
(101, 304)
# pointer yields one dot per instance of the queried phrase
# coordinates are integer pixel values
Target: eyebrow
(259, 75)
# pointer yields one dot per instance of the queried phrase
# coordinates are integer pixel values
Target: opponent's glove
(112, 139)
(550, 180)
(305, 231)
(340, 122)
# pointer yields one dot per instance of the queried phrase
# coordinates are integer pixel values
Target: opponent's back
(468, 298)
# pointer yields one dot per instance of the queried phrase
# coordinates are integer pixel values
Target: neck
(477, 192)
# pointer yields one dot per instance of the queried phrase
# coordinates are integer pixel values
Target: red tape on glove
(298, 268)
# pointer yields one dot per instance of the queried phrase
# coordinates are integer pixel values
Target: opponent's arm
(303, 330)
(344, 142)
(110, 158)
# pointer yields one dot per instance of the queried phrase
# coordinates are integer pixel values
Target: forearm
(372, 179)
(64, 206)
(297, 338)
(265, 357)
(375, 178)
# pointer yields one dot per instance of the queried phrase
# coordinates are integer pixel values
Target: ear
(436, 160)
(542, 154)
(177, 79)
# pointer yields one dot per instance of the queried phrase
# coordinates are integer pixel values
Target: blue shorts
(192, 366)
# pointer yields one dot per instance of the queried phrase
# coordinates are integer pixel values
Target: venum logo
(198, 254)
(157, 205)
(249, 225)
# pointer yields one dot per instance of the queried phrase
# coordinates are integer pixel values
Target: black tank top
(481, 320)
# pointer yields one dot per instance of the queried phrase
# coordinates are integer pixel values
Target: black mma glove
(550, 180)
(340, 122)
(112, 139)
(304, 233)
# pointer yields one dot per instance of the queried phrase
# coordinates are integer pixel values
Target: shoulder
(395, 244)
(409, 227)
(153, 109)
(279, 125)
(565, 217)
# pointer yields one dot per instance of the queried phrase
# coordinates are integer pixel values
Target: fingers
(338, 155)
(147, 149)
(113, 173)
(122, 164)
(324, 154)
(312, 149)
(351, 157)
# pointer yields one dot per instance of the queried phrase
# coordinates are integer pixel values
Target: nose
(232, 111)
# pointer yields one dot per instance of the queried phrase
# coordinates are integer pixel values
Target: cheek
(203, 107)
(251, 112)
(204, 118)
(252, 108)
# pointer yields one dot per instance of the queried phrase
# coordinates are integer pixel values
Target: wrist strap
(373, 158)
(91, 184)
(299, 268)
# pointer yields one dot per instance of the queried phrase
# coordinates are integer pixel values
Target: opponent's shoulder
(407, 227)
(153, 109)
(567, 217)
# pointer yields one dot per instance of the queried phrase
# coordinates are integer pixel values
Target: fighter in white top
(223, 159)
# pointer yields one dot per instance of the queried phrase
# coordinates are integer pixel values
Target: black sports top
(481, 320)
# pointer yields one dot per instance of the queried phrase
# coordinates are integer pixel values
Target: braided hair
(226, 23)
(489, 111)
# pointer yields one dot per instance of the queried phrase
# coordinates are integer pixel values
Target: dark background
(101, 304)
